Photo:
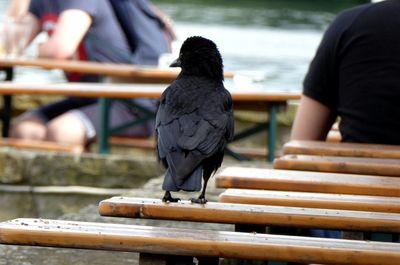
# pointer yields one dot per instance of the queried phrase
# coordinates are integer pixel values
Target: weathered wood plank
(41, 145)
(294, 180)
(135, 73)
(232, 213)
(187, 242)
(133, 91)
(338, 164)
(312, 200)
(341, 149)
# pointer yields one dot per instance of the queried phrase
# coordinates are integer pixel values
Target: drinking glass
(16, 36)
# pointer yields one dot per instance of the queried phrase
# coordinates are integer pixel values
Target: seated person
(88, 30)
(355, 76)
(17, 8)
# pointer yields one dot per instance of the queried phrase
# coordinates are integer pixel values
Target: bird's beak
(176, 63)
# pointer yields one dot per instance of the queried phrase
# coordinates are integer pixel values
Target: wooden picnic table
(312, 200)
(307, 181)
(247, 214)
(341, 149)
(137, 74)
(340, 164)
(262, 100)
(154, 243)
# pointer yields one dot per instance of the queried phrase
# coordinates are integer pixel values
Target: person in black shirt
(355, 76)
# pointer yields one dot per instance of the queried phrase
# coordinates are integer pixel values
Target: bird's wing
(191, 125)
(212, 126)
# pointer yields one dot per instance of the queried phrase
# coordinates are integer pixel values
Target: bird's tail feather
(191, 183)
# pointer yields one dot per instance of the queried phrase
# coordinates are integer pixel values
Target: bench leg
(7, 103)
(104, 125)
(353, 235)
(179, 260)
(396, 238)
(151, 259)
(250, 262)
(208, 261)
(7, 109)
(250, 228)
(272, 132)
(154, 259)
(383, 237)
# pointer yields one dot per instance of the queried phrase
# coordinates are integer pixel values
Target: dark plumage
(195, 119)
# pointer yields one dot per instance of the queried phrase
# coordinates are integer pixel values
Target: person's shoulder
(353, 13)
(347, 18)
(374, 10)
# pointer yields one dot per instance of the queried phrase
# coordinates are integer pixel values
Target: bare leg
(28, 126)
(168, 197)
(66, 128)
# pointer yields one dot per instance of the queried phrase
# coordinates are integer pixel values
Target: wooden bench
(41, 145)
(312, 200)
(341, 149)
(245, 99)
(338, 164)
(240, 214)
(135, 73)
(292, 180)
(159, 242)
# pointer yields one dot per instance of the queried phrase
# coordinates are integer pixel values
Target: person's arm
(313, 120)
(17, 8)
(17, 12)
(169, 29)
(71, 27)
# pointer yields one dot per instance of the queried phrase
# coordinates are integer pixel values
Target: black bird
(194, 120)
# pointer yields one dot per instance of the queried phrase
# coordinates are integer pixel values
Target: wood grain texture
(294, 180)
(248, 98)
(342, 149)
(135, 73)
(188, 242)
(339, 164)
(41, 145)
(232, 213)
(312, 200)
(143, 74)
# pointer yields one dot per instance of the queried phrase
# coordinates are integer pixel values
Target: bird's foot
(168, 198)
(200, 200)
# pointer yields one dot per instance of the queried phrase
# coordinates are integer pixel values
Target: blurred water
(274, 39)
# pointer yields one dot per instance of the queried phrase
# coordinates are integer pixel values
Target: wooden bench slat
(173, 241)
(308, 181)
(352, 165)
(312, 200)
(129, 91)
(134, 72)
(41, 145)
(342, 149)
(137, 73)
(232, 213)
(145, 143)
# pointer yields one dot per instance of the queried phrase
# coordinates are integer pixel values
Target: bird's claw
(200, 200)
(170, 199)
